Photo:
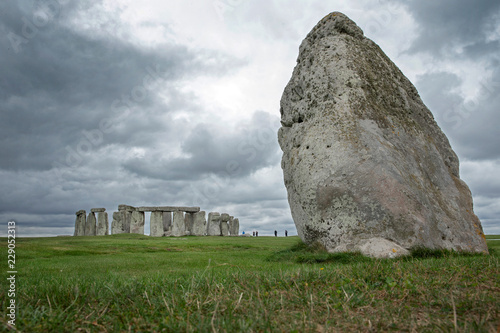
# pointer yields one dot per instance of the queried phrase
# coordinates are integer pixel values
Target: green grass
(137, 283)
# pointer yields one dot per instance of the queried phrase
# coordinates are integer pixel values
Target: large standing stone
(90, 225)
(199, 224)
(81, 219)
(137, 221)
(365, 165)
(224, 228)
(213, 224)
(118, 224)
(167, 222)
(156, 224)
(235, 228)
(102, 224)
(178, 227)
(127, 217)
(188, 222)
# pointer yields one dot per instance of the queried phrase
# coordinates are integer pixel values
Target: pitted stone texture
(156, 224)
(199, 224)
(178, 227)
(80, 223)
(363, 157)
(102, 224)
(137, 223)
(90, 225)
(213, 224)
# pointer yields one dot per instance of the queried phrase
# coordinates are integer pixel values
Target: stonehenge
(164, 221)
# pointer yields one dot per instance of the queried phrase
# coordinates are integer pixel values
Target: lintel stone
(80, 212)
(98, 210)
(126, 207)
(168, 209)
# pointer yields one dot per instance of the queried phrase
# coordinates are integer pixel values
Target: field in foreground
(244, 284)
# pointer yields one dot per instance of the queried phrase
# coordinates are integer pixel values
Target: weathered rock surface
(80, 221)
(188, 222)
(199, 224)
(156, 224)
(213, 224)
(365, 165)
(224, 228)
(117, 225)
(90, 225)
(137, 221)
(167, 222)
(98, 210)
(178, 227)
(102, 224)
(235, 227)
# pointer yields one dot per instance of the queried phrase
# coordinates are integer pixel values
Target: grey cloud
(62, 82)
(214, 148)
(445, 27)
(470, 125)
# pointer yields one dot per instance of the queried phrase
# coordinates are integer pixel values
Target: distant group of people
(276, 233)
(256, 233)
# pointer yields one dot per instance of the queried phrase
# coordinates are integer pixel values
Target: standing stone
(365, 165)
(230, 224)
(137, 221)
(156, 224)
(127, 217)
(119, 225)
(236, 227)
(178, 227)
(224, 228)
(167, 223)
(188, 222)
(81, 219)
(199, 224)
(90, 226)
(213, 224)
(102, 224)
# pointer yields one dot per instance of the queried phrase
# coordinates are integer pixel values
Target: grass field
(135, 283)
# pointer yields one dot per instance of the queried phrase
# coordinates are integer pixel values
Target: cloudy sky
(177, 102)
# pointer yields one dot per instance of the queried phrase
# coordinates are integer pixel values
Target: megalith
(365, 164)
(90, 225)
(235, 227)
(188, 223)
(102, 228)
(178, 226)
(80, 222)
(167, 223)
(137, 221)
(213, 224)
(199, 224)
(156, 224)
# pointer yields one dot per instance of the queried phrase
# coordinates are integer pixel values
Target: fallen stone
(178, 227)
(80, 222)
(199, 224)
(90, 225)
(137, 221)
(365, 165)
(156, 224)
(213, 224)
(102, 224)
(98, 210)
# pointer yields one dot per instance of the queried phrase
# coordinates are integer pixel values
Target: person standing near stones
(286, 233)
(275, 233)
(256, 234)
